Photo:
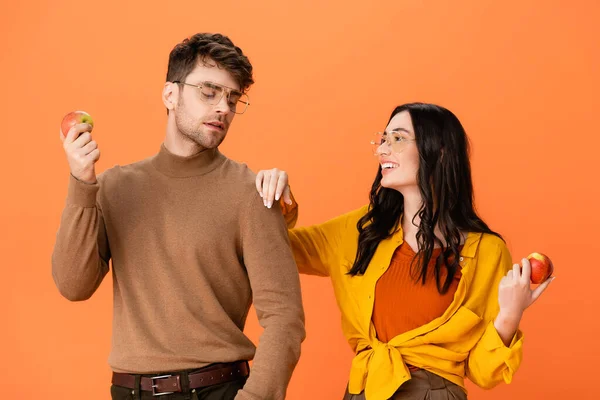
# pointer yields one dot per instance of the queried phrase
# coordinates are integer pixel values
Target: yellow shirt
(462, 342)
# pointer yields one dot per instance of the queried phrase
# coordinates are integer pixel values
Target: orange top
(401, 303)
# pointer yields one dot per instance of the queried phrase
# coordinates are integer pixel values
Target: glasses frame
(389, 145)
(225, 89)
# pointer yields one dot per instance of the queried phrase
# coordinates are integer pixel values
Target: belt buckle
(154, 386)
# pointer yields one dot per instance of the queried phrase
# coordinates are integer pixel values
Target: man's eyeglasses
(212, 93)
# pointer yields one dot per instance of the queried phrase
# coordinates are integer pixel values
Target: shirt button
(461, 259)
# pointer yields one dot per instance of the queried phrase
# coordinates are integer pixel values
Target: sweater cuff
(244, 395)
(82, 194)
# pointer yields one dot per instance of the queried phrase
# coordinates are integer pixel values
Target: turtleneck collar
(180, 167)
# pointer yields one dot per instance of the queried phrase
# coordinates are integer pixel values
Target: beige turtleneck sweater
(192, 246)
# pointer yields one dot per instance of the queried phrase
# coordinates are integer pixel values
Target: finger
(265, 187)
(503, 282)
(88, 148)
(281, 185)
(537, 292)
(92, 158)
(516, 271)
(526, 275)
(259, 178)
(75, 131)
(95, 155)
(272, 187)
(82, 140)
(287, 195)
(71, 136)
(510, 274)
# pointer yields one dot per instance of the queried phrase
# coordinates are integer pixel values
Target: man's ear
(170, 95)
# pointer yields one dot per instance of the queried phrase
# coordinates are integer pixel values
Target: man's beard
(196, 131)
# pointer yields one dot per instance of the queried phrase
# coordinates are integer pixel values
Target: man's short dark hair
(203, 47)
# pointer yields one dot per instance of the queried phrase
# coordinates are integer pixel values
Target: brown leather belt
(171, 383)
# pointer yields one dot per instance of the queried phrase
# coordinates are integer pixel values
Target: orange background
(521, 75)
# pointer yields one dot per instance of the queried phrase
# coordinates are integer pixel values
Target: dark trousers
(423, 385)
(223, 391)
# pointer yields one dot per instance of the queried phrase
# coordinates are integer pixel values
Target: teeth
(388, 165)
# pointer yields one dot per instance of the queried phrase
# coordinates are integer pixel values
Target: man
(191, 246)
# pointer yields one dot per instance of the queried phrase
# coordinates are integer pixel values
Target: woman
(427, 291)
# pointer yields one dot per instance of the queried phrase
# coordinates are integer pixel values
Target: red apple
(541, 267)
(73, 118)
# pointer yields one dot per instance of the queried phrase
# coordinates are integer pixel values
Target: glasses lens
(238, 102)
(211, 93)
(378, 139)
(397, 141)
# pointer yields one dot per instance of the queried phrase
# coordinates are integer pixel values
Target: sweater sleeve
(81, 252)
(276, 296)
